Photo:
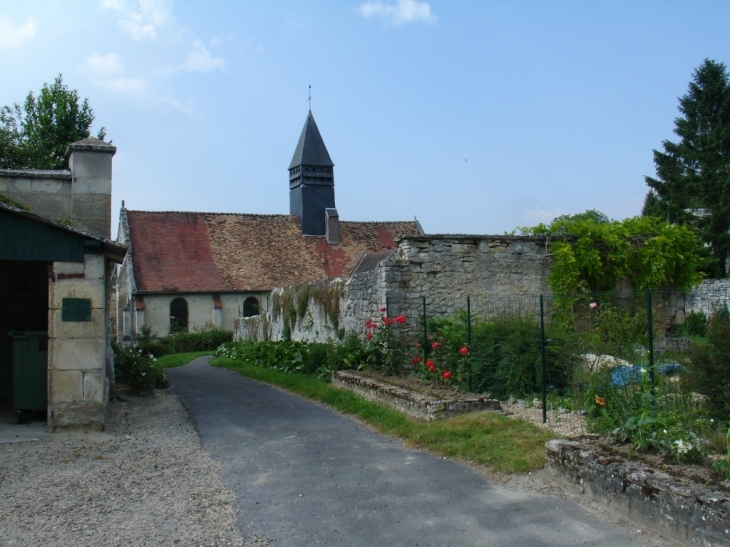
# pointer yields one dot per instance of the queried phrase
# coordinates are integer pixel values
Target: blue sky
(474, 116)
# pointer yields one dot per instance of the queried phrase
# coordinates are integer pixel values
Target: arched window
(178, 315)
(251, 307)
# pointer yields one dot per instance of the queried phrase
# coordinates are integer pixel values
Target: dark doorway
(251, 307)
(23, 307)
(178, 315)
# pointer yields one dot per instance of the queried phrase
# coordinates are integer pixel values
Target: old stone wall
(444, 269)
(709, 296)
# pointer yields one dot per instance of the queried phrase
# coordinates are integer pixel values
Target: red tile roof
(217, 252)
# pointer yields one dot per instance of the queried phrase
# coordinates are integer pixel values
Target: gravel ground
(144, 481)
(564, 424)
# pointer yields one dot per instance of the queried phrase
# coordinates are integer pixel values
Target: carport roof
(112, 250)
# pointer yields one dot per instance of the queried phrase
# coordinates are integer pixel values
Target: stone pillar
(78, 388)
(90, 162)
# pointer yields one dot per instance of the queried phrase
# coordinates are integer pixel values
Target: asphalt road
(305, 475)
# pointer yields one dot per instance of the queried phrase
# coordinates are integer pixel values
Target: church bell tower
(311, 180)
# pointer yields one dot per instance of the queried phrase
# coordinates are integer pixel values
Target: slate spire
(311, 180)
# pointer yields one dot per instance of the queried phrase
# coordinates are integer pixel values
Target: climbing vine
(591, 256)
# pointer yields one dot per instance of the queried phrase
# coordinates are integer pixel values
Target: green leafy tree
(692, 184)
(36, 134)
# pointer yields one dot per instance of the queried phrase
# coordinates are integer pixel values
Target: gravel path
(130, 485)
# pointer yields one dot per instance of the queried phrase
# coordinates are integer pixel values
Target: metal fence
(587, 361)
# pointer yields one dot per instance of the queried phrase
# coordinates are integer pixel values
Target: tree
(36, 135)
(692, 184)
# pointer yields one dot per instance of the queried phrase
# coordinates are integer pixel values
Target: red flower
(418, 344)
(416, 360)
(434, 345)
(429, 363)
(464, 350)
(432, 368)
(400, 319)
(369, 335)
(446, 374)
(383, 309)
(387, 321)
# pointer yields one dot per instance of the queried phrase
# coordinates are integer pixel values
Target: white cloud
(103, 65)
(106, 71)
(143, 20)
(200, 59)
(403, 12)
(536, 215)
(14, 35)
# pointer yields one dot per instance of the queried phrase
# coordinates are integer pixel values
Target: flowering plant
(384, 341)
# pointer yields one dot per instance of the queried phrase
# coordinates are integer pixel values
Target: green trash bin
(30, 371)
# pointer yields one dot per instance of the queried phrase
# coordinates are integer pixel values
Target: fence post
(542, 354)
(650, 335)
(468, 336)
(425, 331)
(387, 307)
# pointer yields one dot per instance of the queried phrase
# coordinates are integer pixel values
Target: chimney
(332, 226)
(90, 162)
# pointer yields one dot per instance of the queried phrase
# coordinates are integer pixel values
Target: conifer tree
(692, 184)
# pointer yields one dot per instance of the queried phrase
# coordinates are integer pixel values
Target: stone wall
(443, 268)
(709, 296)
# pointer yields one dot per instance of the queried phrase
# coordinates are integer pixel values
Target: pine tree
(692, 184)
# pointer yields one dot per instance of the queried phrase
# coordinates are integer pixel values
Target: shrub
(695, 324)
(710, 366)
(138, 369)
(207, 338)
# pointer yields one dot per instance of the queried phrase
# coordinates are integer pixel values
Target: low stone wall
(653, 498)
(417, 405)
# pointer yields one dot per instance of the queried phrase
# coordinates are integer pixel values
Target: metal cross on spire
(310, 97)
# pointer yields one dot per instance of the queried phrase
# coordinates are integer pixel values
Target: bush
(710, 366)
(138, 369)
(207, 338)
(695, 324)
(298, 357)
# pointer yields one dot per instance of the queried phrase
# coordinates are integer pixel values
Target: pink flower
(464, 350)
(592, 305)
(446, 375)
(434, 345)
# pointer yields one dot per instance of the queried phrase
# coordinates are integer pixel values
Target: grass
(501, 444)
(179, 359)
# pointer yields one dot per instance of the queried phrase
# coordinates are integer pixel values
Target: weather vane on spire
(310, 97)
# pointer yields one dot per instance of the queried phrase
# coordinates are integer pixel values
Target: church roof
(310, 148)
(219, 252)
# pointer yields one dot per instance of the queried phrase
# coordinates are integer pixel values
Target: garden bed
(409, 395)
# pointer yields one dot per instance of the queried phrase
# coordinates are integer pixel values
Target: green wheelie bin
(30, 372)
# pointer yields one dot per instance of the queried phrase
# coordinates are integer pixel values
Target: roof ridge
(211, 213)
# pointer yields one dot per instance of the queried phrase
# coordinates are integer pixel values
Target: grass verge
(500, 443)
(179, 359)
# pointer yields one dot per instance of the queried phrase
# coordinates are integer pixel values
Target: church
(186, 270)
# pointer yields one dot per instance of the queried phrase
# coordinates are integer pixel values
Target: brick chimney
(332, 226)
